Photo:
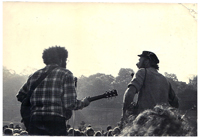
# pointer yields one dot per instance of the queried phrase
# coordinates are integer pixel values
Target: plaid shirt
(54, 94)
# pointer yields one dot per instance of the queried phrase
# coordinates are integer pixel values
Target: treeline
(98, 83)
(102, 112)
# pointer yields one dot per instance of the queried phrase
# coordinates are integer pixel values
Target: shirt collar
(48, 66)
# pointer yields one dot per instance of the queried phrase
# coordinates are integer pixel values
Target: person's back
(47, 96)
(147, 88)
(53, 98)
(155, 89)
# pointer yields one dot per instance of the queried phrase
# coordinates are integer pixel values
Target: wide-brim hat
(149, 55)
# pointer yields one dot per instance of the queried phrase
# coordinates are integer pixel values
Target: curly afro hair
(162, 120)
(54, 54)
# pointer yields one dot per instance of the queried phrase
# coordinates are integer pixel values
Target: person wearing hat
(147, 88)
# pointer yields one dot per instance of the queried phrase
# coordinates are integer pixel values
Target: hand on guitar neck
(87, 100)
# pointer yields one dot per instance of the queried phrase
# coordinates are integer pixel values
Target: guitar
(25, 109)
(112, 93)
(109, 94)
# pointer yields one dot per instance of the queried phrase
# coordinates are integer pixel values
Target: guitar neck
(96, 98)
(105, 95)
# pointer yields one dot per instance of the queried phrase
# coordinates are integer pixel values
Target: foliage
(101, 112)
(11, 84)
(187, 93)
(193, 83)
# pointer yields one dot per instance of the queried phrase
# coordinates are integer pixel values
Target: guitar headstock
(111, 93)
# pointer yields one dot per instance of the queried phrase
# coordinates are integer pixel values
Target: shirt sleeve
(70, 96)
(21, 95)
(138, 79)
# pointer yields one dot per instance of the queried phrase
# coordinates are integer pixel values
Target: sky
(101, 37)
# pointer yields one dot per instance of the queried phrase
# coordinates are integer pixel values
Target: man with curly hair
(54, 97)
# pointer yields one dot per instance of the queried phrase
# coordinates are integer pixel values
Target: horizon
(32, 70)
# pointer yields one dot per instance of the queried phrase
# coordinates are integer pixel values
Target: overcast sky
(101, 37)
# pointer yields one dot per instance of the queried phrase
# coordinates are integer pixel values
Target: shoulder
(64, 71)
(141, 71)
(140, 74)
(36, 73)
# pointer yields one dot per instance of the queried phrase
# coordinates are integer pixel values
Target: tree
(181, 86)
(193, 83)
(101, 112)
(11, 85)
(172, 78)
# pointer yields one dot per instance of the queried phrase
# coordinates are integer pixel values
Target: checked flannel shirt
(54, 94)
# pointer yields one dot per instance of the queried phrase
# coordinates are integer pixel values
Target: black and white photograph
(99, 68)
